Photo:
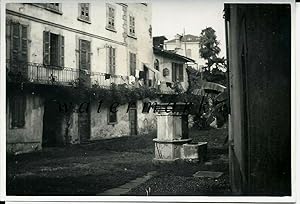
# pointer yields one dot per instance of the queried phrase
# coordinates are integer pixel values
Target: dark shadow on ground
(93, 168)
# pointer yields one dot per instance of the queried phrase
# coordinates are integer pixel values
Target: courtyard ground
(93, 168)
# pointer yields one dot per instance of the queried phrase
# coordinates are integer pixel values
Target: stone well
(173, 142)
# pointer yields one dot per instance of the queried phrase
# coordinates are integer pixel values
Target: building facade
(188, 46)
(59, 45)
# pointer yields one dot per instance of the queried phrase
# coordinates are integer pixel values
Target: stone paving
(123, 189)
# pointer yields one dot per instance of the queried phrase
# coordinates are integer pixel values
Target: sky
(170, 17)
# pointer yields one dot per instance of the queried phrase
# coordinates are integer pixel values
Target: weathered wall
(146, 121)
(167, 63)
(100, 129)
(66, 24)
(260, 106)
(68, 133)
(28, 138)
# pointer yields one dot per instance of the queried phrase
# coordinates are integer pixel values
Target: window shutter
(15, 45)
(134, 64)
(17, 111)
(24, 45)
(82, 54)
(180, 66)
(132, 60)
(107, 59)
(173, 72)
(88, 52)
(46, 47)
(110, 60)
(113, 60)
(61, 51)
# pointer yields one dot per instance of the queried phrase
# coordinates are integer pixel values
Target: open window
(53, 50)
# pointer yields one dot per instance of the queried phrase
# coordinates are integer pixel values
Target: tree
(209, 50)
(214, 71)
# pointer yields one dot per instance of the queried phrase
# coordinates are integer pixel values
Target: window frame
(87, 53)
(108, 117)
(109, 18)
(49, 8)
(177, 68)
(81, 17)
(132, 27)
(47, 50)
(21, 100)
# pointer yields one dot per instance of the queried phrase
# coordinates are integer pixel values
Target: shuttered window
(19, 45)
(84, 11)
(84, 55)
(54, 53)
(111, 60)
(17, 110)
(132, 63)
(177, 72)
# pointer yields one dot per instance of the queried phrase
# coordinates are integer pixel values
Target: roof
(158, 41)
(186, 38)
(171, 55)
(160, 37)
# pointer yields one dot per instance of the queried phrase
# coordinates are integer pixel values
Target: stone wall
(28, 138)
(101, 129)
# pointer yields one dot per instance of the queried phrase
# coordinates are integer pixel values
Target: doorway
(133, 119)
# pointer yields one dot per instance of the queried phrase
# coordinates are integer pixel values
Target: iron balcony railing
(106, 80)
(41, 74)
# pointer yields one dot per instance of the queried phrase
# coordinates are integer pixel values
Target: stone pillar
(171, 134)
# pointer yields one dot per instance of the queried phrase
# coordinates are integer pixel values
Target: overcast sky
(173, 16)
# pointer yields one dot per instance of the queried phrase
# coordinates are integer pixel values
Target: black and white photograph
(155, 98)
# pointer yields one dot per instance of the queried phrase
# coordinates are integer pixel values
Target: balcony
(49, 75)
(41, 74)
(103, 80)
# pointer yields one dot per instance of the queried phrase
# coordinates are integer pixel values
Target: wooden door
(133, 120)
(84, 123)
